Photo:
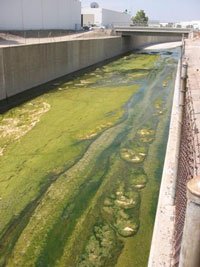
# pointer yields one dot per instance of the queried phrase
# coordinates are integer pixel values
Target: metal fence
(188, 167)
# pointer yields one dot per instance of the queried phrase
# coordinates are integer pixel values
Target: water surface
(81, 166)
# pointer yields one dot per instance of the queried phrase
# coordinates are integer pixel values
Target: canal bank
(173, 235)
(162, 246)
(25, 67)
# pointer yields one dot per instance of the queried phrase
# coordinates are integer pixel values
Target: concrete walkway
(192, 54)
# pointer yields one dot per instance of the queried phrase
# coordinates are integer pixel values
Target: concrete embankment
(27, 66)
(161, 246)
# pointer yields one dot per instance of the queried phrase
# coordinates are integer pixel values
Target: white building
(189, 24)
(104, 17)
(154, 23)
(40, 14)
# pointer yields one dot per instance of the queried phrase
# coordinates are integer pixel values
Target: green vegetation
(140, 18)
(74, 166)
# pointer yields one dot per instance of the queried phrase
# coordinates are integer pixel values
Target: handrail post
(183, 44)
(190, 248)
(184, 76)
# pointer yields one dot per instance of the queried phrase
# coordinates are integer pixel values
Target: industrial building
(94, 15)
(194, 24)
(40, 14)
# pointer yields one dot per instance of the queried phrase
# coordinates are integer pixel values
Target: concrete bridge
(152, 31)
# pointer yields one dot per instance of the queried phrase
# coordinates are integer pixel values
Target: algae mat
(81, 167)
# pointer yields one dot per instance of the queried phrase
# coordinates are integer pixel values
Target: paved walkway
(192, 53)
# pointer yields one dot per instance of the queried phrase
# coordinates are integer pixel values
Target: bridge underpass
(143, 36)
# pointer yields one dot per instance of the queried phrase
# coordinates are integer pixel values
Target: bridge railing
(150, 28)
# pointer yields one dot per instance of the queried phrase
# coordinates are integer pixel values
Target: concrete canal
(81, 166)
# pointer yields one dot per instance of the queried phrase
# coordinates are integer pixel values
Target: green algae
(72, 165)
(50, 154)
(132, 156)
(136, 250)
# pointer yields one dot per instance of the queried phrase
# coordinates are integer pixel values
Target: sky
(162, 10)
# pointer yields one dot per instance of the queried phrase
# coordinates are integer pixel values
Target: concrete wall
(161, 245)
(2, 77)
(24, 67)
(27, 66)
(143, 40)
(39, 14)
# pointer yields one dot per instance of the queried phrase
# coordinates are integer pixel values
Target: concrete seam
(3, 74)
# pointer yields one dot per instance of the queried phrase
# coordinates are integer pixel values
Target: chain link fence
(188, 167)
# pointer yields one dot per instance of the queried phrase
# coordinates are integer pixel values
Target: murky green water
(81, 167)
